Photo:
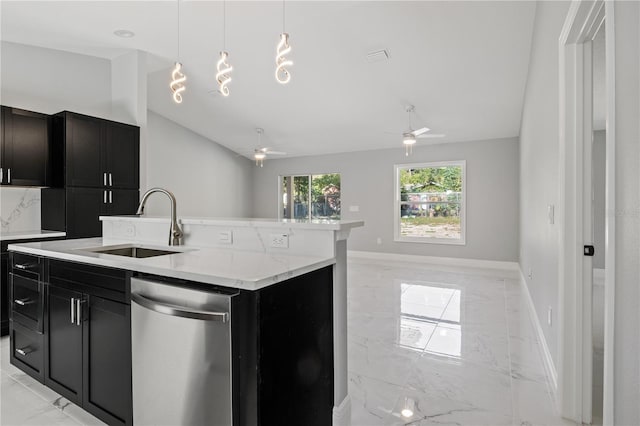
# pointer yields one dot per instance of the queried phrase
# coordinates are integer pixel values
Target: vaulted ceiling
(462, 64)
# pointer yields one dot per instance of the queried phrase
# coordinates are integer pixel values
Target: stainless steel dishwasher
(181, 353)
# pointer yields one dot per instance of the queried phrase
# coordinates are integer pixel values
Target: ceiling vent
(378, 56)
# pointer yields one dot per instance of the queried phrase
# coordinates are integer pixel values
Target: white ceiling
(462, 64)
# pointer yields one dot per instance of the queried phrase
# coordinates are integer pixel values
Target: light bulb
(259, 156)
(222, 76)
(282, 74)
(408, 408)
(177, 83)
(408, 140)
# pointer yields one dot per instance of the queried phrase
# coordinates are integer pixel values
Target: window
(430, 202)
(310, 196)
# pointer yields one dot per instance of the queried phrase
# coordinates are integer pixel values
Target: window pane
(431, 202)
(300, 197)
(325, 196)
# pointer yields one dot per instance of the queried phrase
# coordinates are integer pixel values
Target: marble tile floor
(453, 346)
(24, 401)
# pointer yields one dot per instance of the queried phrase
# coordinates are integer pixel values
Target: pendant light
(223, 66)
(177, 77)
(282, 73)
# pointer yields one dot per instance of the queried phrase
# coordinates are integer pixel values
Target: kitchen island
(288, 305)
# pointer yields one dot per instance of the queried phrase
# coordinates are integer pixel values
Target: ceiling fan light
(409, 140)
(259, 155)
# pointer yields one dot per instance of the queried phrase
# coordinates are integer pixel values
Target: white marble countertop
(225, 267)
(323, 224)
(32, 234)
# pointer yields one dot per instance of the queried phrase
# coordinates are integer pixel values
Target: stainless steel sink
(133, 251)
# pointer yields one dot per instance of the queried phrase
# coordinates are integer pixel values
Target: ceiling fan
(259, 154)
(409, 137)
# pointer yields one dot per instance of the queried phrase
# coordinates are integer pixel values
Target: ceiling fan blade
(420, 131)
(431, 135)
(275, 153)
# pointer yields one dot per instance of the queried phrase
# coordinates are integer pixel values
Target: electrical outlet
(549, 315)
(530, 274)
(354, 208)
(225, 237)
(129, 230)
(379, 240)
(551, 213)
(280, 240)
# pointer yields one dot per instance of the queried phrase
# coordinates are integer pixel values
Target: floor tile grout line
(506, 318)
(50, 403)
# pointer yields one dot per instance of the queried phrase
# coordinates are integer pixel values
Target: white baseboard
(447, 261)
(342, 413)
(549, 366)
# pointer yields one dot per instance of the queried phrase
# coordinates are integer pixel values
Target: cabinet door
(84, 136)
(63, 359)
(122, 148)
(26, 147)
(123, 202)
(107, 360)
(4, 298)
(84, 206)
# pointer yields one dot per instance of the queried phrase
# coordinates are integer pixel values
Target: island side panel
(295, 343)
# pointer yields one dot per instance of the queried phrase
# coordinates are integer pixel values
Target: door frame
(575, 278)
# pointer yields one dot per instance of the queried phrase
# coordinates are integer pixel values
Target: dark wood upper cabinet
(25, 148)
(96, 153)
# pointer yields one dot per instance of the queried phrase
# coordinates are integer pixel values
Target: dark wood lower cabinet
(107, 360)
(63, 340)
(281, 341)
(88, 339)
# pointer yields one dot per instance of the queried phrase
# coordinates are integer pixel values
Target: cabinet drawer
(26, 265)
(27, 350)
(26, 302)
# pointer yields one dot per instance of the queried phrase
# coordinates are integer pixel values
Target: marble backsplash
(19, 209)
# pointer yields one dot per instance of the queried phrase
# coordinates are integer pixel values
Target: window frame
(397, 237)
(309, 201)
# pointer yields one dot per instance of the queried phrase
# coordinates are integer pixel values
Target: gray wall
(207, 179)
(599, 163)
(539, 149)
(627, 213)
(367, 182)
(50, 81)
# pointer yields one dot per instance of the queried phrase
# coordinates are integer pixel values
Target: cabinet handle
(24, 302)
(1, 174)
(24, 351)
(73, 310)
(104, 178)
(110, 197)
(110, 180)
(79, 311)
(22, 266)
(8, 175)
(104, 198)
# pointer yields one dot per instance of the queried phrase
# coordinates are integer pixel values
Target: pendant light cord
(224, 25)
(178, 30)
(283, 16)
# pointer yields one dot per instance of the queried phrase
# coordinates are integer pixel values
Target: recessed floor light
(124, 33)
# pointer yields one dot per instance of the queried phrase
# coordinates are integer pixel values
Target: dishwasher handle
(178, 311)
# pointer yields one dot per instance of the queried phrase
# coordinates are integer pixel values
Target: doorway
(587, 113)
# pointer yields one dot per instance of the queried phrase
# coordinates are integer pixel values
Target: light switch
(354, 208)
(550, 213)
(225, 237)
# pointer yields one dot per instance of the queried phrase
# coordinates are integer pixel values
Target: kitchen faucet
(175, 233)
